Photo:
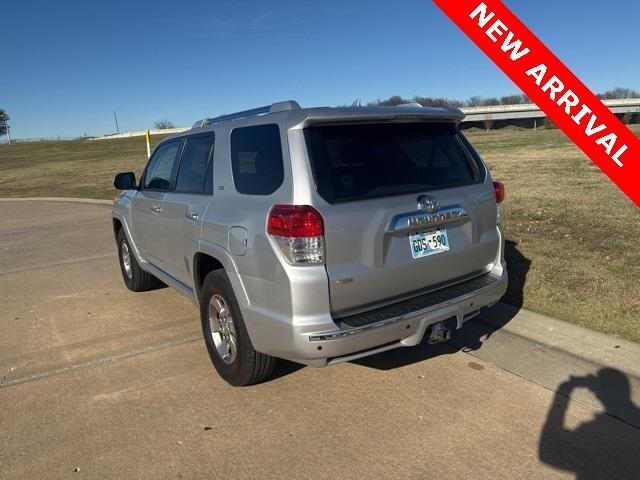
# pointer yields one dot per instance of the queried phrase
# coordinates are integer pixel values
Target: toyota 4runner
(317, 235)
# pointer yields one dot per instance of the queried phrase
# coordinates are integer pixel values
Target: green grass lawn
(573, 250)
(76, 168)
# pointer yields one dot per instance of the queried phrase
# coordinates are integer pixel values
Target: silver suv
(317, 235)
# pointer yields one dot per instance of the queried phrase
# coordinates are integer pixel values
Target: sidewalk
(548, 352)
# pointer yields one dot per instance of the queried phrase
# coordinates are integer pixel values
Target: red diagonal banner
(552, 86)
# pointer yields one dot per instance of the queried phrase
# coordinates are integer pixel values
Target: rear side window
(160, 168)
(353, 162)
(256, 159)
(194, 164)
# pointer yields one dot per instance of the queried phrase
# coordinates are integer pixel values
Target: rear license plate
(429, 243)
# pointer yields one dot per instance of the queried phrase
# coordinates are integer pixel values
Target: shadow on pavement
(518, 267)
(607, 447)
(475, 332)
(284, 368)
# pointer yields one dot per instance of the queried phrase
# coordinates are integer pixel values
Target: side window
(208, 181)
(256, 159)
(194, 163)
(158, 173)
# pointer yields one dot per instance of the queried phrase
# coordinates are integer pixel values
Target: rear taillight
(295, 221)
(299, 232)
(499, 188)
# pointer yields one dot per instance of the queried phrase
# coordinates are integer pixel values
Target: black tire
(136, 279)
(245, 366)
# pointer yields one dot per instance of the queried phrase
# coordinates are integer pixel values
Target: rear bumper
(295, 323)
(406, 329)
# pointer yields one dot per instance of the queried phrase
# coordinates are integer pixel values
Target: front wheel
(136, 279)
(226, 337)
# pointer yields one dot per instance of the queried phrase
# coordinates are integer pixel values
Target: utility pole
(116, 119)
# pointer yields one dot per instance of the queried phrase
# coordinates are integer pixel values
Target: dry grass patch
(576, 233)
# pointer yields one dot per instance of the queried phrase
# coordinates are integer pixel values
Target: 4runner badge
(428, 203)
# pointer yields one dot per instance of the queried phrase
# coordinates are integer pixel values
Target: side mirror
(125, 181)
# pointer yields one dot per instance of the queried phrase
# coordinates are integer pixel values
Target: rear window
(353, 162)
(256, 159)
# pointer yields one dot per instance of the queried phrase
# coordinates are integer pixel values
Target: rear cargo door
(410, 209)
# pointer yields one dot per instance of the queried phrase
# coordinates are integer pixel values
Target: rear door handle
(156, 209)
(192, 215)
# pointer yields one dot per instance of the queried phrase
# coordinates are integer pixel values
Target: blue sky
(65, 65)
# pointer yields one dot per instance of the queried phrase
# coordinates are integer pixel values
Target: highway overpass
(532, 111)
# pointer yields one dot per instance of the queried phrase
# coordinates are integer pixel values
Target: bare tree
(163, 124)
(390, 102)
(437, 102)
(516, 99)
(619, 92)
(4, 122)
(475, 101)
(490, 101)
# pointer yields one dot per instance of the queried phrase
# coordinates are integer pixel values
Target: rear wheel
(136, 279)
(226, 337)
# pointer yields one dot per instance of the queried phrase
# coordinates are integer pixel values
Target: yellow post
(148, 136)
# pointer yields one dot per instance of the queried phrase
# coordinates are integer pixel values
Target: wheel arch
(203, 264)
(117, 226)
(119, 222)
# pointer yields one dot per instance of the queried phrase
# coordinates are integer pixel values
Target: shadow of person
(475, 331)
(607, 447)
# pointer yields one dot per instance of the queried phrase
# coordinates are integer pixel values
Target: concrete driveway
(99, 382)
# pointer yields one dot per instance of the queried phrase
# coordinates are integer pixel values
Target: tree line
(478, 101)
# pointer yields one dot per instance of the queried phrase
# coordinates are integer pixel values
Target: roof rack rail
(276, 107)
